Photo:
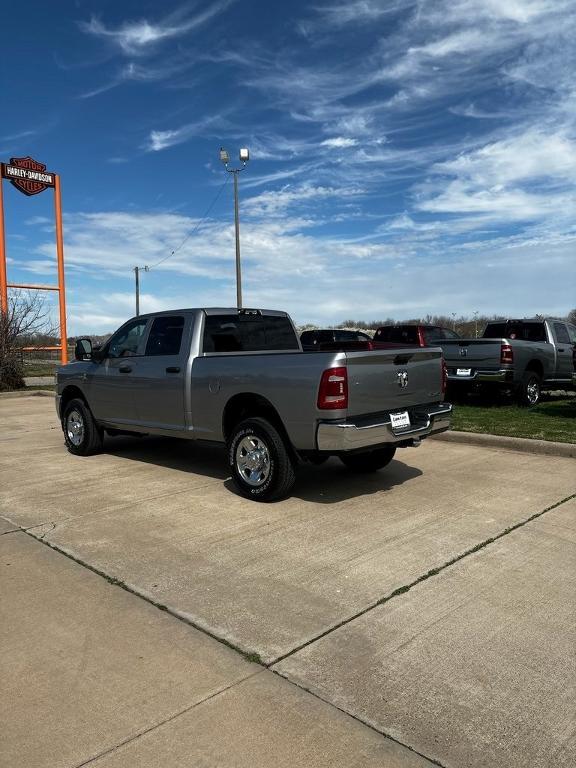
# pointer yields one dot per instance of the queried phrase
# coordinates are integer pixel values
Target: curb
(521, 444)
(25, 393)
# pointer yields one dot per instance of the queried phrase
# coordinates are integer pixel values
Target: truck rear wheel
(83, 437)
(528, 393)
(371, 461)
(261, 466)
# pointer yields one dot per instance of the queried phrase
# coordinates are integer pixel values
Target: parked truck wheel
(83, 437)
(260, 463)
(371, 461)
(529, 391)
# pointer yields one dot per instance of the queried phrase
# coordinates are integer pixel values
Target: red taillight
(333, 392)
(421, 339)
(444, 376)
(506, 354)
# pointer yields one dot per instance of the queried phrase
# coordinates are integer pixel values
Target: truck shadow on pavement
(329, 483)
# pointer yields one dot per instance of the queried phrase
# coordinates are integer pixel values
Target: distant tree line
(464, 325)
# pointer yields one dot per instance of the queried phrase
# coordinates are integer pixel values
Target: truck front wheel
(82, 435)
(371, 461)
(261, 466)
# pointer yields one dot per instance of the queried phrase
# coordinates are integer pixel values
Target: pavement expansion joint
(358, 719)
(165, 721)
(424, 577)
(249, 656)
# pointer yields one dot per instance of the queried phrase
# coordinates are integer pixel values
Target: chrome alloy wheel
(532, 391)
(253, 460)
(75, 427)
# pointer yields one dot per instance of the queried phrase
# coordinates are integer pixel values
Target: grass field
(553, 419)
(40, 368)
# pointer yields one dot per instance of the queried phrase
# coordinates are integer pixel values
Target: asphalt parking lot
(423, 615)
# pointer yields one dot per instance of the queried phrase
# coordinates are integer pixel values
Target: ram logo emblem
(402, 379)
(463, 352)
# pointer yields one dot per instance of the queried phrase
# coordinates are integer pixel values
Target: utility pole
(476, 324)
(244, 156)
(137, 276)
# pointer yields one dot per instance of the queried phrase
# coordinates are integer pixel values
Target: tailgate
(395, 379)
(472, 353)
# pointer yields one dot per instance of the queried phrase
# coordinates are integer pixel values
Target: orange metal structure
(60, 288)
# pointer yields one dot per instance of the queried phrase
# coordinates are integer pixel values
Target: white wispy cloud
(134, 38)
(159, 140)
(524, 177)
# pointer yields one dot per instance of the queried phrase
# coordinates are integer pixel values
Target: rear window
(350, 336)
(514, 329)
(248, 333)
(398, 334)
(434, 335)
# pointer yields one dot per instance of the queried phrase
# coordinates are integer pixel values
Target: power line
(189, 235)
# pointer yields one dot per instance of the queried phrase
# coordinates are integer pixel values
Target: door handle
(173, 369)
(125, 369)
(560, 349)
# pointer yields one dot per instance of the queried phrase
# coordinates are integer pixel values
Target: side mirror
(83, 349)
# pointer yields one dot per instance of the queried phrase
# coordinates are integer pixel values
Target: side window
(448, 334)
(572, 333)
(561, 333)
(126, 341)
(165, 336)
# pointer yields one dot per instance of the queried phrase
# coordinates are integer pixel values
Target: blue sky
(407, 157)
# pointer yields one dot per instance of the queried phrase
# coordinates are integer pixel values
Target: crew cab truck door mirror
(83, 349)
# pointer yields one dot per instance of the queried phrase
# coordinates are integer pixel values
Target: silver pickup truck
(526, 356)
(240, 377)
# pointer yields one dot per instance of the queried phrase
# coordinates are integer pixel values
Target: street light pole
(225, 158)
(137, 276)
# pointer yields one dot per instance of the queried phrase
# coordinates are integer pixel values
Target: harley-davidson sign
(28, 175)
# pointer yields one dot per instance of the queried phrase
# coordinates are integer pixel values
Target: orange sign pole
(61, 284)
(3, 278)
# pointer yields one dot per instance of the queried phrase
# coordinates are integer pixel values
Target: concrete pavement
(476, 666)
(160, 516)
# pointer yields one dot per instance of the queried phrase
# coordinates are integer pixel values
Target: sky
(407, 157)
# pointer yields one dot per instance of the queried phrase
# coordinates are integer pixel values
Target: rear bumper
(503, 376)
(364, 433)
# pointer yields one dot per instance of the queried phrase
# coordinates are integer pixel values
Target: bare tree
(27, 317)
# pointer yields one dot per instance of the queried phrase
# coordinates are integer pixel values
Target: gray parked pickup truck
(240, 377)
(526, 356)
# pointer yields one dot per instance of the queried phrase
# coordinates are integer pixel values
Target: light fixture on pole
(137, 271)
(244, 156)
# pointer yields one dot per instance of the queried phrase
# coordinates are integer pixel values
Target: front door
(113, 381)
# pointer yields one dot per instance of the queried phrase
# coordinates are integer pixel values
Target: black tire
(83, 437)
(371, 461)
(529, 391)
(271, 474)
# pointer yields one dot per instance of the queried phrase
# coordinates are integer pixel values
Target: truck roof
(217, 311)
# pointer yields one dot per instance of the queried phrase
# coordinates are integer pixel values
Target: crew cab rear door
(159, 383)
(564, 351)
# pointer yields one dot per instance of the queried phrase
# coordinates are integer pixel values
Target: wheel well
(247, 405)
(535, 366)
(70, 393)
